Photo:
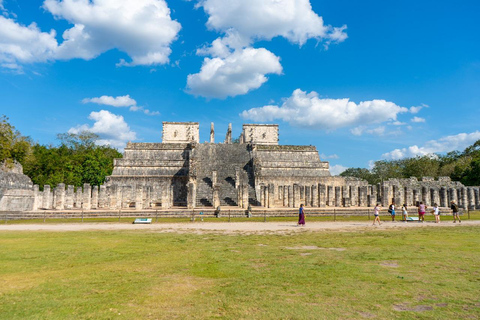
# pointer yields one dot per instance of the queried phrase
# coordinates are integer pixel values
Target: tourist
(301, 216)
(436, 213)
(391, 210)
(376, 213)
(454, 208)
(404, 212)
(421, 212)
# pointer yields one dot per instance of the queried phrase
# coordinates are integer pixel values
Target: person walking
(436, 213)
(421, 212)
(376, 213)
(404, 212)
(301, 216)
(454, 208)
(391, 210)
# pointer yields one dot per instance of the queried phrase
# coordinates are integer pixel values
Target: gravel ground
(234, 227)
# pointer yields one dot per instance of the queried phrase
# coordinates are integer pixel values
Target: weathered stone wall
(180, 132)
(16, 189)
(265, 134)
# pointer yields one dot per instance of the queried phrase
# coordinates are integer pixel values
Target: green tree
(13, 146)
(361, 173)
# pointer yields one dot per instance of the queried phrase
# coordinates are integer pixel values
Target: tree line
(459, 166)
(75, 161)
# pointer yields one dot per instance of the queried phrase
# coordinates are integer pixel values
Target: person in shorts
(454, 208)
(376, 213)
(436, 213)
(421, 212)
(404, 212)
(391, 210)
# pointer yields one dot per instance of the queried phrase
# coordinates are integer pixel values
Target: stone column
(385, 196)
(354, 196)
(87, 196)
(285, 196)
(216, 196)
(436, 196)
(290, 196)
(46, 197)
(307, 198)
(69, 197)
(398, 195)
(443, 197)
(228, 137)
(95, 197)
(314, 196)
(470, 198)
(464, 197)
(477, 198)
(78, 198)
(345, 194)
(271, 195)
(322, 195)
(296, 195)
(165, 194)
(338, 197)
(102, 197)
(363, 196)
(417, 196)
(453, 195)
(37, 202)
(212, 133)
(426, 196)
(245, 196)
(330, 196)
(192, 195)
(374, 195)
(138, 197)
(60, 196)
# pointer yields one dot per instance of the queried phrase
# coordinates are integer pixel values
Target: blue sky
(360, 80)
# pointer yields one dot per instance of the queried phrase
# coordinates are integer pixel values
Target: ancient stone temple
(181, 172)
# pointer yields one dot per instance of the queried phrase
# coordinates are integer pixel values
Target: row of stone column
(318, 195)
(103, 197)
(465, 197)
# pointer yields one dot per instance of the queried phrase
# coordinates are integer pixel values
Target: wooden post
(228, 215)
(265, 216)
(368, 214)
(119, 215)
(82, 215)
(334, 215)
(44, 216)
(5, 217)
(156, 215)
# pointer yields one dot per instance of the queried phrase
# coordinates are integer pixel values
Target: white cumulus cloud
(112, 129)
(143, 29)
(120, 101)
(21, 44)
(236, 74)
(445, 144)
(308, 109)
(417, 120)
(265, 19)
(241, 24)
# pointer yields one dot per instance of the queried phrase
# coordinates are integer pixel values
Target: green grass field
(424, 273)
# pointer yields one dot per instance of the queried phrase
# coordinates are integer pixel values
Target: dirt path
(233, 227)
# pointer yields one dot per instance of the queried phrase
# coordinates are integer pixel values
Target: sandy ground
(234, 227)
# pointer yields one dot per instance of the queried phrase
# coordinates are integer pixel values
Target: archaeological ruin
(254, 170)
